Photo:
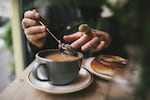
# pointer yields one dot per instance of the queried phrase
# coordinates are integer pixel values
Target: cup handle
(35, 71)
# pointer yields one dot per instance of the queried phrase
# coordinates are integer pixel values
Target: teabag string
(63, 47)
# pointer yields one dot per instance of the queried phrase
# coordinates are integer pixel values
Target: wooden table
(100, 89)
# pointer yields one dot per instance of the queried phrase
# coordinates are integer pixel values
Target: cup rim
(55, 50)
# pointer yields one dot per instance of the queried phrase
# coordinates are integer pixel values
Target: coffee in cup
(60, 57)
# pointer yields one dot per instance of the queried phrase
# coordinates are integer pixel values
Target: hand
(35, 33)
(97, 41)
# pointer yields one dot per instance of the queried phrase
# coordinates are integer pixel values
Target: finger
(36, 37)
(26, 22)
(72, 37)
(99, 47)
(81, 41)
(92, 43)
(108, 41)
(35, 29)
(33, 14)
(103, 36)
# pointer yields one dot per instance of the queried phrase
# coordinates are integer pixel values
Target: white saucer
(87, 65)
(83, 81)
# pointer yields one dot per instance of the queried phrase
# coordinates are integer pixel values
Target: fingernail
(34, 10)
(37, 15)
(43, 28)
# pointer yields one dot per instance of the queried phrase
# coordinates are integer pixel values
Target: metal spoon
(66, 48)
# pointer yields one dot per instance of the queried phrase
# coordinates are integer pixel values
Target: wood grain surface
(100, 89)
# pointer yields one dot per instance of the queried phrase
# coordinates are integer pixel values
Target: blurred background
(132, 17)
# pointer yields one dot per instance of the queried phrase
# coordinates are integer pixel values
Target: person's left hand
(96, 41)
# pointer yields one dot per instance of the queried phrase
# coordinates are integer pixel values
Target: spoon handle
(43, 22)
(61, 46)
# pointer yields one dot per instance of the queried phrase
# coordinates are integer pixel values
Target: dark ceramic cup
(54, 71)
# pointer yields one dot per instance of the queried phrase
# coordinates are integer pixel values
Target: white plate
(84, 80)
(87, 65)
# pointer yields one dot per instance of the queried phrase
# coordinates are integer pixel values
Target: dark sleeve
(31, 51)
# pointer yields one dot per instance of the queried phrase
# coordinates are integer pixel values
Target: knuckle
(27, 31)
(96, 38)
(23, 23)
(26, 13)
(29, 38)
(23, 20)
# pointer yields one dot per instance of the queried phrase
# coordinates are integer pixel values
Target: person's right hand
(34, 32)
